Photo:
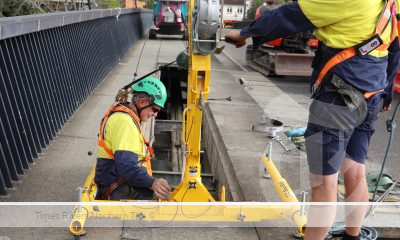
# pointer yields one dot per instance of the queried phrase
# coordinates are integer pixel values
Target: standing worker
(123, 169)
(351, 71)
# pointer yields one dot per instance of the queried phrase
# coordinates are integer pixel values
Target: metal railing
(49, 64)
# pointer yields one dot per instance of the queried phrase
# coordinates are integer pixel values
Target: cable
(190, 130)
(140, 57)
(390, 126)
(163, 225)
(150, 73)
(201, 214)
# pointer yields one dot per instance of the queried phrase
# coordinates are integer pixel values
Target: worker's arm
(283, 21)
(391, 72)
(126, 145)
(126, 166)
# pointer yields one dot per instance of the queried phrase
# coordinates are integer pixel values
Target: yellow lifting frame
(191, 188)
(165, 210)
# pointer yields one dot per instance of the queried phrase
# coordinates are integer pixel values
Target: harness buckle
(368, 45)
(314, 90)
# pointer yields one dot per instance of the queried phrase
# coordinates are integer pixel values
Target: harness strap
(111, 188)
(116, 107)
(387, 15)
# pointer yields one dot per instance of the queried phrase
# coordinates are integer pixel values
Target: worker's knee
(323, 187)
(353, 172)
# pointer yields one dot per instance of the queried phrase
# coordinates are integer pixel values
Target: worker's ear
(143, 102)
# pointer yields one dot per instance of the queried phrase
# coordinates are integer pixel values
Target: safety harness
(388, 15)
(117, 107)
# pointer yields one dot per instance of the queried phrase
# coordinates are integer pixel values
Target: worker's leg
(329, 128)
(353, 168)
(320, 218)
(356, 191)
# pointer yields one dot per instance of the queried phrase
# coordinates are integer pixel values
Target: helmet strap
(139, 110)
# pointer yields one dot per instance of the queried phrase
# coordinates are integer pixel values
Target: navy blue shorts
(332, 133)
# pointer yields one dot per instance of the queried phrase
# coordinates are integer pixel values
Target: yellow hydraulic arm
(191, 189)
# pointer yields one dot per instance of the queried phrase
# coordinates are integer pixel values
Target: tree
(251, 13)
(149, 4)
(108, 3)
(9, 8)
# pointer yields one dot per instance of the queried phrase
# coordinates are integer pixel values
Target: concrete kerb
(238, 150)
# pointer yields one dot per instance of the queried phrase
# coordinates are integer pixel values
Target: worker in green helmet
(123, 169)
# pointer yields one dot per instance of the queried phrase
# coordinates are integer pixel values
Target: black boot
(346, 236)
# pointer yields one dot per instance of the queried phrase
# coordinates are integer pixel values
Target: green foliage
(149, 4)
(251, 13)
(9, 8)
(108, 3)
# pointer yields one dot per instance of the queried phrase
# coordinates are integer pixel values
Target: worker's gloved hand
(235, 38)
(161, 187)
(387, 102)
(386, 108)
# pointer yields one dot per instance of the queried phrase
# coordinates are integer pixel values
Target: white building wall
(234, 12)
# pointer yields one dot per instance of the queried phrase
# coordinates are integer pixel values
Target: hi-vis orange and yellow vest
(386, 19)
(117, 107)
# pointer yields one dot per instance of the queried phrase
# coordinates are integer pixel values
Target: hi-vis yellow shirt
(345, 23)
(121, 133)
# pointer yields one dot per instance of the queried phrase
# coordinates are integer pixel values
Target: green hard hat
(154, 87)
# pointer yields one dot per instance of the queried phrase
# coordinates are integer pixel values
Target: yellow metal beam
(191, 188)
(175, 210)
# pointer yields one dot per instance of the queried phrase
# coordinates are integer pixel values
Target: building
(133, 3)
(234, 10)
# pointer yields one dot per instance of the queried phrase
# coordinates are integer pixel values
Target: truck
(169, 18)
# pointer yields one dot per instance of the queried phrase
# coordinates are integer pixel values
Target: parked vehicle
(169, 18)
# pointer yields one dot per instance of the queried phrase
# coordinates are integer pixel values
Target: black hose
(390, 126)
(366, 233)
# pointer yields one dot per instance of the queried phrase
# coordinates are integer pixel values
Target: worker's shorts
(332, 133)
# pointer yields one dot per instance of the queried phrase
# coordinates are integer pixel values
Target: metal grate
(46, 75)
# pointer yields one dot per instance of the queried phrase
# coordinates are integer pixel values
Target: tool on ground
(264, 126)
(218, 99)
(279, 140)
